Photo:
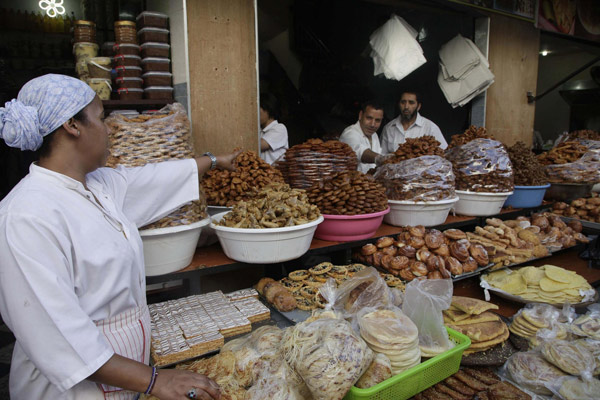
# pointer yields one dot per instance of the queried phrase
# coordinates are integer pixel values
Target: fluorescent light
(544, 53)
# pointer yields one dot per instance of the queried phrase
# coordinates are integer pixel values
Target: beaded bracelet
(152, 381)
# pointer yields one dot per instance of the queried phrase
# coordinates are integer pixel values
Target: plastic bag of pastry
(328, 354)
(588, 324)
(391, 332)
(583, 170)
(276, 379)
(379, 370)
(569, 356)
(426, 178)
(575, 388)
(535, 317)
(593, 346)
(424, 301)
(482, 165)
(366, 289)
(530, 370)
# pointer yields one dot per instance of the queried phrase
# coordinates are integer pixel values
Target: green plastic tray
(418, 378)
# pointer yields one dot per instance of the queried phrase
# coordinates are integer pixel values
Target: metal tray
(586, 224)
(456, 278)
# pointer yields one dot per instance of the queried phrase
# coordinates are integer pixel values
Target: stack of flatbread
(528, 321)
(393, 334)
(531, 371)
(472, 318)
(545, 284)
(570, 357)
(587, 325)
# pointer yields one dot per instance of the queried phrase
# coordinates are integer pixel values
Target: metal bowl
(568, 191)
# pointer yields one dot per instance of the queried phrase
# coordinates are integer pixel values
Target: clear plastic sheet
(426, 178)
(531, 371)
(584, 170)
(482, 165)
(424, 301)
(575, 388)
(588, 324)
(366, 289)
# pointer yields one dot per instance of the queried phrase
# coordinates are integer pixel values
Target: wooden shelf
(143, 104)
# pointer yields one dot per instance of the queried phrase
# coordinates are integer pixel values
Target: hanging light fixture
(52, 7)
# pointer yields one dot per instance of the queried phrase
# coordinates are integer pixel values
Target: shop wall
(513, 57)
(223, 74)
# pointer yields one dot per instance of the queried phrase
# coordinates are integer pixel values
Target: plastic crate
(418, 378)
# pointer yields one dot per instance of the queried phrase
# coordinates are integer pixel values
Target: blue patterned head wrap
(42, 106)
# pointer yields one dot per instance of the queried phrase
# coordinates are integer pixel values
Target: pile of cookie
(527, 169)
(150, 138)
(419, 252)
(416, 147)
(472, 133)
(225, 188)
(304, 284)
(563, 153)
(316, 160)
(584, 208)
(274, 206)
(472, 317)
(348, 193)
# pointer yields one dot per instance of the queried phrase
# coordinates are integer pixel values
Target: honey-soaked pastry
(455, 234)
(399, 262)
(434, 239)
(435, 275)
(384, 242)
(435, 263)
(453, 265)
(444, 272)
(416, 242)
(443, 250)
(377, 258)
(407, 251)
(386, 261)
(418, 268)
(390, 250)
(368, 249)
(407, 274)
(459, 251)
(480, 254)
(423, 254)
(418, 230)
(469, 265)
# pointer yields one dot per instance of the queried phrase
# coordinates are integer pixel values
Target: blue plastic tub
(526, 196)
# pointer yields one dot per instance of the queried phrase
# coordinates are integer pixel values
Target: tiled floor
(7, 342)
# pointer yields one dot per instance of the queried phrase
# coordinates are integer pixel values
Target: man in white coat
(362, 136)
(409, 124)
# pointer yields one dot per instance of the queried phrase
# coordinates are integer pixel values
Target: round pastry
(262, 283)
(321, 269)
(292, 286)
(576, 225)
(368, 249)
(445, 273)
(556, 222)
(434, 275)
(541, 221)
(377, 259)
(418, 268)
(453, 265)
(455, 234)
(435, 263)
(354, 268)
(273, 289)
(391, 250)
(386, 261)
(422, 254)
(298, 275)
(459, 251)
(434, 239)
(480, 254)
(418, 231)
(303, 303)
(339, 271)
(406, 274)
(384, 242)
(443, 250)
(309, 292)
(399, 262)
(403, 237)
(407, 251)
(469, 265)
(284, 302)
(416, 242)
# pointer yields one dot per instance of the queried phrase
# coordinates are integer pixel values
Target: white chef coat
(394, 134)
(68, 263)
(277, 136)
(355, 138)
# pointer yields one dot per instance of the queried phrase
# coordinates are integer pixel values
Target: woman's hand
(226, 161)
(175, 384)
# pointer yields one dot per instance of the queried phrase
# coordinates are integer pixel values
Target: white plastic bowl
(411, 213)
(479, 204)
(265, 246)
(170, 249)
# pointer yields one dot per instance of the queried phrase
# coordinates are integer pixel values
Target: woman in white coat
(72, 281)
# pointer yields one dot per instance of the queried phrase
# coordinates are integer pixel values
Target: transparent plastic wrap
(424, 301)
(588, 324)
(574, 388)
(316, 160)
(328, 354)
(426, 178)
(379, 370)
(581, 135)
(568, 356)
(530, 370)
(226, 188)
(537, 317)
(593, 346)
(482, 165)
(149, 138)
(563, 153)
(366, 289)
(391, 332)
(426, 145)
(585, 170)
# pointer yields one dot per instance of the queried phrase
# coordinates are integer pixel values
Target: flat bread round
(568, 356)
(386, 327)
(488, 343)
(531, 370)
(481, 332)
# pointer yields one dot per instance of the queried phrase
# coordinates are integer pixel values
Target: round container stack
(127, 61)
(153, 35)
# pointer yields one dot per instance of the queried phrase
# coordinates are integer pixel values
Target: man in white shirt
(362, 136)
(409, 124)
(274, 135)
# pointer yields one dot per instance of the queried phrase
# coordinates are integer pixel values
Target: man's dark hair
(45, 148)
(373, 103)
(270, 104)
(410, 91)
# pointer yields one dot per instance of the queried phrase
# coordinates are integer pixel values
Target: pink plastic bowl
(346, 228)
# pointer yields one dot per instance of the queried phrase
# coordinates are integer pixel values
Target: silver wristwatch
(213, 159)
